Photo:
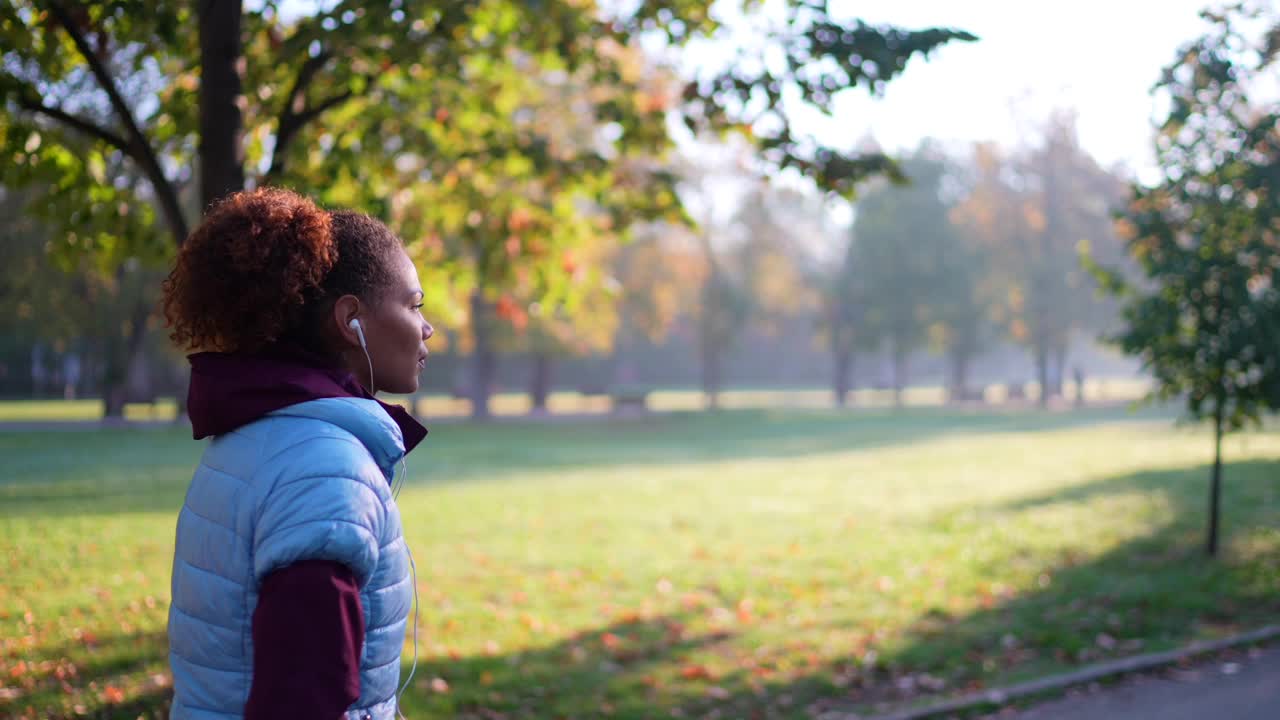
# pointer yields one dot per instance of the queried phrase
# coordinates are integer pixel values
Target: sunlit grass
(772, 560)
(78, 410)
(436, 405)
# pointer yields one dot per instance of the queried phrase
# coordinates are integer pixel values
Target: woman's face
(396, 333)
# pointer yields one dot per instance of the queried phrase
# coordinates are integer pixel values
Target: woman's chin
(400, 386)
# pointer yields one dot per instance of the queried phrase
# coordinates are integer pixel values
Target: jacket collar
(229, 390)
(366, 419)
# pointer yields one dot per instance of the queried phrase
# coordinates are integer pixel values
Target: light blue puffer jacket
(309, 481)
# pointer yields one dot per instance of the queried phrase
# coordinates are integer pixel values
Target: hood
(230, 390)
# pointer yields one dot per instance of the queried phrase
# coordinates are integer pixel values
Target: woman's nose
(427, 330)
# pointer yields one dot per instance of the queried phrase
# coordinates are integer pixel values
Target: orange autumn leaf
(695, 672)
(627, 617)
(611, 641)
(520, 219)
(508, 310)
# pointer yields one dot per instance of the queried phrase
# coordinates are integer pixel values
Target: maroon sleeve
(308, 630)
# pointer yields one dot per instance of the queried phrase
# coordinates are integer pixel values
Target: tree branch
(76, 123)
(140, 149)
(327, 104)
(306, 74)
(291, 122)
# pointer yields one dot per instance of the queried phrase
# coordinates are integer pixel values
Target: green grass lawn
(570, 402)
(747, 564)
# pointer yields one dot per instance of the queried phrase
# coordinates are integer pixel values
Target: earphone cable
(413, 568)
(372, 390)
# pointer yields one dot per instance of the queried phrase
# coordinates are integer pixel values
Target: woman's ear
(346, 309)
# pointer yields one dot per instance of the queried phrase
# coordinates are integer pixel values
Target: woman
(291, 579)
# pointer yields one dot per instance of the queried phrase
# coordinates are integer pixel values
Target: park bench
(630, 401)
(593, 389)
(967, 395)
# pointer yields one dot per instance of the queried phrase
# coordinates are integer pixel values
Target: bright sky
(1100, 57)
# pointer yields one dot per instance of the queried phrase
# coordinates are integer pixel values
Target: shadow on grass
(117, 471)
(100, 473)
(477, 452)
(619, 668)
(632, 669)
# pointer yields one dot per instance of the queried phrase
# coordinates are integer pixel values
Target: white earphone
(355, 325)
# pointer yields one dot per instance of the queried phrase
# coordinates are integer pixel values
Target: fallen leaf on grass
(695, 672)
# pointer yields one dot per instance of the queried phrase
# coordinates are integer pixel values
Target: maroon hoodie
(229, 390)
(308, 627)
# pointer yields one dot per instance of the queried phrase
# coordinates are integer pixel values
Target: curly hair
(364, 247)
(263, 267)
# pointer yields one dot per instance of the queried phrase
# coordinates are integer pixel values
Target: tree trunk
(482, 358)
(121, 358)
(959, 375)
(899, 372)
(221, 155)
(180, 400)
(711, 374)
(540, 383)
(1215, 484)
(1042, 372)
(1060, 369)
(843, 374)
